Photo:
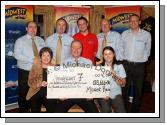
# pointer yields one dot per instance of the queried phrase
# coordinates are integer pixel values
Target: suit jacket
(34, 78)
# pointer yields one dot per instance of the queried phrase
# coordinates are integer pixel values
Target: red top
(90, 45)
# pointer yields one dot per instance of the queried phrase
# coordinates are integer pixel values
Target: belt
(131, 62)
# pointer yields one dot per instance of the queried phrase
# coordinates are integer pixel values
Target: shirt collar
(86, 34)
(73, 59)
(60, 35)
(105, 64)
(29, 37)
(138, 31)
(106, 33)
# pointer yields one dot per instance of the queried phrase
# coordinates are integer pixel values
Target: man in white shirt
(75, 59)
(112, 38)
(23, 52)
(136, 46)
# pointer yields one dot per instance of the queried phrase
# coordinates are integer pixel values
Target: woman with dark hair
(118, 80)
(37, 91)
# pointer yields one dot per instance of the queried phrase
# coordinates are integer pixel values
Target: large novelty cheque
(78, 82)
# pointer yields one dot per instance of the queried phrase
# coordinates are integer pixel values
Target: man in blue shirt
(53, 42)
(136, 45)
(111, 38)
(23, 52)
(87, 105)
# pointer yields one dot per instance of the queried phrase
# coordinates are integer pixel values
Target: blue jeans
(117, 104)
(104, 105)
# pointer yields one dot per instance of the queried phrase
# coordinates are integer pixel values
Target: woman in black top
(40, 98)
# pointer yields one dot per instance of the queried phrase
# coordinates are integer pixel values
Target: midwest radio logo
(123, 17)
(16, 13)
(72, 17)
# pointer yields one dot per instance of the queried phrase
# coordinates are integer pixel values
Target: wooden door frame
(48, 18)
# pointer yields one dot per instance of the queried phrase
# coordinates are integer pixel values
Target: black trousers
(40, 99)
(87, 105)
(22, 90)
(135, 73)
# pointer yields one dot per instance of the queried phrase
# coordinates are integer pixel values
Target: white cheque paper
(78, 82)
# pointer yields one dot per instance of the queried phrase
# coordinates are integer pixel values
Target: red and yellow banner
(19, 12)
(119, 16)
(71, 15)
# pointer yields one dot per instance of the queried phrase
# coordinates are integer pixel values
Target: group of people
(124, 53)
